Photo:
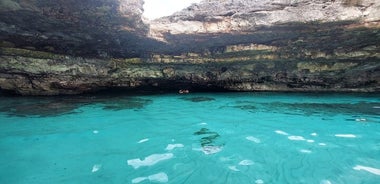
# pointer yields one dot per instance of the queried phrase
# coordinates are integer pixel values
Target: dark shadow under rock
(198, 99)
(246, 107)
(361, 108)
(55, 106)
(126, 103)
(43, 108)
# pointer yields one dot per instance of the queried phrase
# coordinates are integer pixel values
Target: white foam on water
(368, 169)
(233, 168)
(310, 141)
(314, 134)
(143, 140)
(345, 135)
(253, 139)
(322, 144)
(281, 132)
(259, 181)
(296, 138)
(325, 182)
(360, 119)
(225, 159)
(246, 162)
(159, 177)
(196, 149)
(96, 167)
(95, 131)
(376, 107)
(139, 179)
(150, 160)
(173, 146)
(203, 123)
(305, 151)
(208, 150)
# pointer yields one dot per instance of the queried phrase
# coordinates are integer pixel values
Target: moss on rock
(322, 67)
(29, 53)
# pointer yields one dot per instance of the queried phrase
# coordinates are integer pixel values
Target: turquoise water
(193, 138)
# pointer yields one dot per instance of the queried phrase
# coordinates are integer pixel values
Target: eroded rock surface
(71, 47)
(67, 75)
(229, 16)
(89, 28)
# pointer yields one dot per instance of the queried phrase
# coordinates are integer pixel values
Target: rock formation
(89, 28)
(236, 16)
(71, 47)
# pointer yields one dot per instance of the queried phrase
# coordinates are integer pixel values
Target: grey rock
(71, 47)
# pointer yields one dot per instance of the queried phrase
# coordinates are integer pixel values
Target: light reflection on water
(192, 138)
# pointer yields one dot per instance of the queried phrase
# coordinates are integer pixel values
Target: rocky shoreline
(73, 75)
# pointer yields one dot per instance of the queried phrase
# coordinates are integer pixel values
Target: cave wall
(71, 47)
(88, 28)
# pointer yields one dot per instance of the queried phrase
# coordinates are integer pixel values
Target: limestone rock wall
(214, 16)
(39, 74)
(71, 47)
(88, 28)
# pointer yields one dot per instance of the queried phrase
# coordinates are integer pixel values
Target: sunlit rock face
(214, 23)
(71, 47)
(229, 16)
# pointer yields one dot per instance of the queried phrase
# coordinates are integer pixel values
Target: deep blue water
(193, 138)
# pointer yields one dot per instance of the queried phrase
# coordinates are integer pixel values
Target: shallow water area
(191, 138)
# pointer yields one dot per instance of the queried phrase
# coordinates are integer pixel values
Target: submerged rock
(198, 99)
(361, 108)
(247, 107)
(39, 107)
(127, 103)
(208, 141)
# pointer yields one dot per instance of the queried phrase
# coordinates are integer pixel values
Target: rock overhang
(91, 45)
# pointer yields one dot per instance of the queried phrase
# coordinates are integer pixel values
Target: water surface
(192, 138)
